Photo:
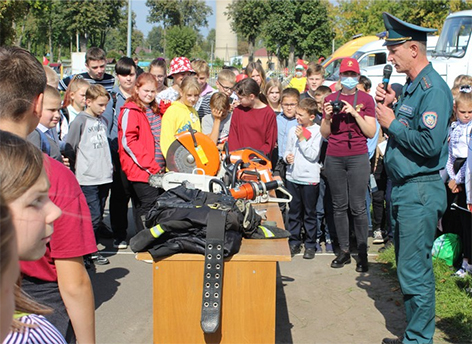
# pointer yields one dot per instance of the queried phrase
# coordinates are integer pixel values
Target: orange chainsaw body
(256, 166)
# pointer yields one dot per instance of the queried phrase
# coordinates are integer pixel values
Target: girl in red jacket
(139, 131)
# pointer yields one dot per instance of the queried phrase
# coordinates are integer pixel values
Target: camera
(337, 106)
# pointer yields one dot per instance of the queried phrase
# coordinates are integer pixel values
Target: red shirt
(73, 233)
(254, 128)
(339, 143)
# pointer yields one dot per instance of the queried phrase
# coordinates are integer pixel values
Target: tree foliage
(155, 38)
(247, 19)
(351, 17)
(180, 41)
(10, 13)
(117, 38)
(189, 13)
(297, 28)
(92, 19)
(203, 46)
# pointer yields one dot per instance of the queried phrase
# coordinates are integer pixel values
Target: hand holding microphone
(383, 92)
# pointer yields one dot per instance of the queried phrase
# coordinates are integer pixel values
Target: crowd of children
(114, 137)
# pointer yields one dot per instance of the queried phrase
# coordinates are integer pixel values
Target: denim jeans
(302, 212)
(348, 177)
(96, 196)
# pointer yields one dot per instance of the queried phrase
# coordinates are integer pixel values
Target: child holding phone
(303, 176)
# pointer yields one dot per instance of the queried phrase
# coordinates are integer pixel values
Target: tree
(297, 28)
(351, 17)
(430, 13)
(247, 18)
(180, 41)
(154, 39)
(355, 17)
(205, 45)
(190, 13)
(10, 13)
(117, 38)
(49, 26)
(92, 19)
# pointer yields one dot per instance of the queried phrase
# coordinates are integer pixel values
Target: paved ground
(315, 303)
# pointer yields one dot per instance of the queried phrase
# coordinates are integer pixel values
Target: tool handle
(272, 185)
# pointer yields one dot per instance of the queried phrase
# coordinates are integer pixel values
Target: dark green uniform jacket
(417, 142)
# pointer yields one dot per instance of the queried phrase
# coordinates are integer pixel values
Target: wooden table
(248, 304)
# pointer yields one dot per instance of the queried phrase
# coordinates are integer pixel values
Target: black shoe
(88, 262)
(392, 341)
(342, 259)
(294, 249)
(309, 253)
(362, 265)
(98, 259)
(387, 245)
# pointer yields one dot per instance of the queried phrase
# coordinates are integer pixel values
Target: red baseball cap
(240, 77)
(349, 64)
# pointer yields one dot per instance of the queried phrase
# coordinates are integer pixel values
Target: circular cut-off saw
(193, 151)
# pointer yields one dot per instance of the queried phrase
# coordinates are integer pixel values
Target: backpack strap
(213, 271)
(44, 142)
(113, 96)
(64, 116)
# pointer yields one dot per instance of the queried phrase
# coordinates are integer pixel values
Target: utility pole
(128, 48)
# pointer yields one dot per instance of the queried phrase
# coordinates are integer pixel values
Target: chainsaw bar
(179, 159)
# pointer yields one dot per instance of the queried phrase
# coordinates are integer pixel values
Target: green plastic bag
(447, 247)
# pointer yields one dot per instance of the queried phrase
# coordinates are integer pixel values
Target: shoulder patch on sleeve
(430, 119)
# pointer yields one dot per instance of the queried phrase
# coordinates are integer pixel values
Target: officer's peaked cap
(399, 32)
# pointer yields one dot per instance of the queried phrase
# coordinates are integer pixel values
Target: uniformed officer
(417, 149)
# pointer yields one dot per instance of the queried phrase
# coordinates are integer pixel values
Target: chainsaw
(244, 173)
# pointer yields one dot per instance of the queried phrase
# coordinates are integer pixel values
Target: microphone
(387, 72)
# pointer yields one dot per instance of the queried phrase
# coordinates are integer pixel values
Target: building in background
(226, 45)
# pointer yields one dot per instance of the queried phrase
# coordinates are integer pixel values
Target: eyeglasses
(289, 105)
(226, 88)
(465, 89)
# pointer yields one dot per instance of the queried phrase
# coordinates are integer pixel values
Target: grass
(453, 301)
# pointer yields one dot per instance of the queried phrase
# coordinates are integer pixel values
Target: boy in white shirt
(303, 176)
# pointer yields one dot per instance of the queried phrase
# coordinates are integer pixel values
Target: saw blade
(179, 159)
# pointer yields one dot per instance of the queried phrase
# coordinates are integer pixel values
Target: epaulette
(426, 82)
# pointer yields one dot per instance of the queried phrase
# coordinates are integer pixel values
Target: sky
(141, 10)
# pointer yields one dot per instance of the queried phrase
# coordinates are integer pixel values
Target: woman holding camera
(348, 120)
